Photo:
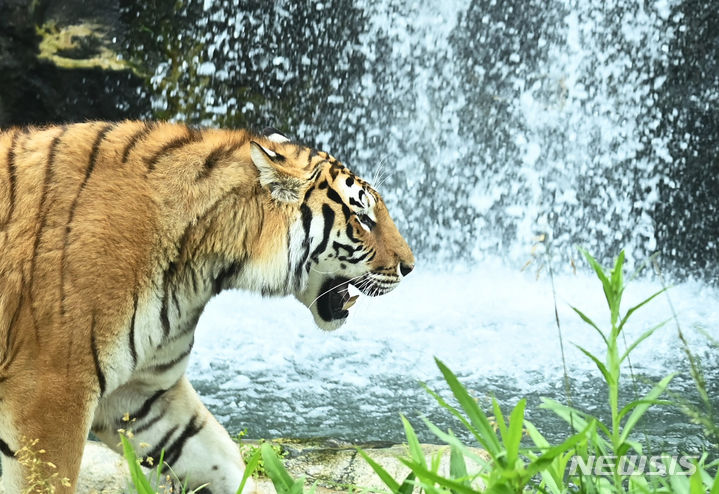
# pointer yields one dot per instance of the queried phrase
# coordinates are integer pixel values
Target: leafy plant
(613, 439)
(248, 451)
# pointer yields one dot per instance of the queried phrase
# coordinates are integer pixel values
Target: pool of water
(262, 364)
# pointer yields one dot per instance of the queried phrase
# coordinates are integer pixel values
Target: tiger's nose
(405, 269)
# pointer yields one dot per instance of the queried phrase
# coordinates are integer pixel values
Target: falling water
(498, 132)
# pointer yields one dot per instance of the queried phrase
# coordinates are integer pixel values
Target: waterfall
(489, 124)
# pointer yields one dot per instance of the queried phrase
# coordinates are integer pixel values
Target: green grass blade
(457, 466)
(550, 454)
(499, 419)
(142, 485)
(453, 441)
(641, 338)
(250, 469)
(591, 323)
(640, 408)
(602, 368)
(486, 435)
(580, 420)
(407, 484)
(715, 485)
(638, 306)
(606, 284)
(276, 471)
(454, 412)
(388, 480)
(415, 450)
(450, 484)
(514, 432)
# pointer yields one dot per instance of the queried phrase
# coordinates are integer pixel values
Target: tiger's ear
(283, 186)
(275, 135)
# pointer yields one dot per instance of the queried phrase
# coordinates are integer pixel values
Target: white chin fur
(308, 299)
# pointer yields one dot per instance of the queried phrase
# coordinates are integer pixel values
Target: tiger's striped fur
(114, 236)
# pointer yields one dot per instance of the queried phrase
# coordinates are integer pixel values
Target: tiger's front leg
(175, 421)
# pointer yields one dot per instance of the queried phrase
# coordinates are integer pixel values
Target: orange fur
(100, 223)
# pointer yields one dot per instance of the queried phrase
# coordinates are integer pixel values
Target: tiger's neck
(267, 256)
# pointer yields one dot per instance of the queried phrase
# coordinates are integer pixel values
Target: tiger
(113, 238)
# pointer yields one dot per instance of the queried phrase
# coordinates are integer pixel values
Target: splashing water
(491, 123)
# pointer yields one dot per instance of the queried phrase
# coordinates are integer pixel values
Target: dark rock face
(72, 86)
(688, 212)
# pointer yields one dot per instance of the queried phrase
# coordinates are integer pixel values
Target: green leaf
(457, 466)
(423, 472)
(499, 419)
(514, 432)
(282, 481)
(591, 323)
(639, 305)
(136, 474)
(407, 485)
(715, 485)
(602, 368)
(415, 450)
(580, 421)
(453, 441)
(696, 486)
(549, 455)
(641, 338)
(485, 434)
(640, 408)
(388, 480)
(250, 469)
(606, 284)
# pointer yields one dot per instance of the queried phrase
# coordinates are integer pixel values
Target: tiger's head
(341, 233)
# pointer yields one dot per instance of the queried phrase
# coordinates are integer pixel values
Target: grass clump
(40, 475)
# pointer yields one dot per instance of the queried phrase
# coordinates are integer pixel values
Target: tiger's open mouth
(335, 300)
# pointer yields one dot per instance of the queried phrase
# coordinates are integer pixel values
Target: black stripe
(356, 259)
(174, 451)
(12, 176)
(133, 350)
(306, 213)
(159, 368)
(177, 143)
(96, 359)
(157, 450)
(42, 220)
(350, 233)
(226, 274)
(147, 406)
(329, 217)
(5, 449)
(334, 195)
(136, 138)
(92, 160)
(10, 353)
(164, 318)
(313, 153)
(220, 154)
(337, 246)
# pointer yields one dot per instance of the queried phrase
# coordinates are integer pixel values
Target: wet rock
(60, 61)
